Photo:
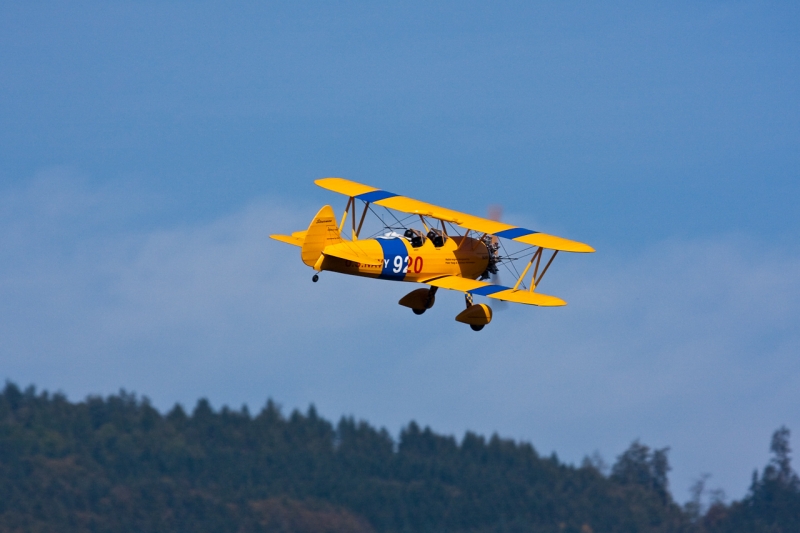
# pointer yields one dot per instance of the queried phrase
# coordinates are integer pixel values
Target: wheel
(315, 278)
(475, 327)
(418, 311)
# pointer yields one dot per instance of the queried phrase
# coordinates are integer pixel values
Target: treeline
(116, 464)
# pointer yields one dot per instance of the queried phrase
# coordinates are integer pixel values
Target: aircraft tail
(322, 231)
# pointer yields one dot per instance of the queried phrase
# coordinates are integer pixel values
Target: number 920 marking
(403, 265)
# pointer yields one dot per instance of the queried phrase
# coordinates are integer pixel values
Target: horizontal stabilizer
(288, 239)
(341, 252)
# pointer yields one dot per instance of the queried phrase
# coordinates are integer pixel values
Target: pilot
(436, 237)
(414, 236)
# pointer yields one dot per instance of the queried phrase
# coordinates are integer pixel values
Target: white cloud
(687, 344)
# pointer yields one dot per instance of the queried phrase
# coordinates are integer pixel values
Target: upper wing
(498, 292)
(482, 225)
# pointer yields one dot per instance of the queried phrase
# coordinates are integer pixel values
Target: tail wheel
(315, 278)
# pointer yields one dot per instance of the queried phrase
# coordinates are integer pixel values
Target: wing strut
(351, 202)
(537, 257)
(555, 253)
(363, 216)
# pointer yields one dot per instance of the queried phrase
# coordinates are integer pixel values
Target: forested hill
(116, 464)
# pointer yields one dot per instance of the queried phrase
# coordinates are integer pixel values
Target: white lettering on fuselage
(385, 263)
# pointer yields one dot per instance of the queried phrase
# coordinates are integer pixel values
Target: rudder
(322, 231)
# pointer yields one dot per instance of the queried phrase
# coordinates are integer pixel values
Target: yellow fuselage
(396, 259)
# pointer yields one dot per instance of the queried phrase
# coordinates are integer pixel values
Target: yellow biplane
(434, 256)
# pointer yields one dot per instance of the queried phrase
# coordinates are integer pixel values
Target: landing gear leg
(315, 278)
(428, 301)
(431, 296)
(468, 298)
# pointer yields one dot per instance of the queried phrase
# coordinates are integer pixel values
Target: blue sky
(148, 149)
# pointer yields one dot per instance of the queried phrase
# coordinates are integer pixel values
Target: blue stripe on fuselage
(392, 249)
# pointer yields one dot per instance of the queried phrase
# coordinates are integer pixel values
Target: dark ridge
(116, 464)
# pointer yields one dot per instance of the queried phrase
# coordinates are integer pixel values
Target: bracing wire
(511, 274)
(385, 225)
(522, 253)
(455, 231)
(394, 217)
(505, 252)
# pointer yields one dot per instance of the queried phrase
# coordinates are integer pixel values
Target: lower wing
(498, 292)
